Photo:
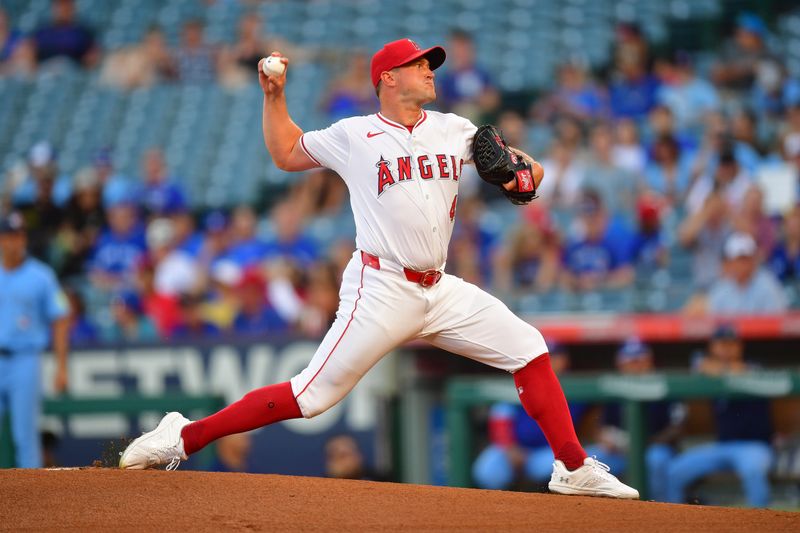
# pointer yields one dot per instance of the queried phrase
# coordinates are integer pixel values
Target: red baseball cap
(397, 53)
(648, 210)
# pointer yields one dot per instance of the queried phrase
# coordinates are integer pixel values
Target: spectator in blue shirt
(187, 238)
(575, 95)
(689, 97)
(289, 242)
(81, 329)
(119, 248)
(351, 93)
(466, 88)
(784, 261)
(600, 258)
(245, 249)
(129, 323)
(256, 316)
(66, 37)
(113, 183)
(743, 430)
(632, 91)
(215, 240)
(159, 195)
(633, 94)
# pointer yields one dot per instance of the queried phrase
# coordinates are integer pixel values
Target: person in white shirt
(729, 178)
(745, 288)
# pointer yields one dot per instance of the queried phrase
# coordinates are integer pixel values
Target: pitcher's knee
(317, 392)
(316, 399)
(312, 406)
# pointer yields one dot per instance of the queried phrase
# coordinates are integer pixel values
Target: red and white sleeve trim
(305, 149)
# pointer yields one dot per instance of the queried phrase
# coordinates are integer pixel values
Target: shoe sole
(575, 491)
(168, 419)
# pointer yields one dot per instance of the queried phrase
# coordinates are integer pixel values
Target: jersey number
(453, 208)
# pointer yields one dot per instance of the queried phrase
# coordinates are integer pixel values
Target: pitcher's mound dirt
(93, 499)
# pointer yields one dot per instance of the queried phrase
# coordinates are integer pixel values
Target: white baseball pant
(380, 310)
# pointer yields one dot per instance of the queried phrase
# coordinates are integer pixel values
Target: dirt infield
(104, 499)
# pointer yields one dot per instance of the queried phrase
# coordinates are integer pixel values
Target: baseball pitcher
(402, 168)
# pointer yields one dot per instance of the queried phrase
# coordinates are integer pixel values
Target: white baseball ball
(273, 66)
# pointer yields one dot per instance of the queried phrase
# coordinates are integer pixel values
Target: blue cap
(174, 204)
(752, 23)
(631, 349)
(215, 221)
(130, 300)
(13, 222)
(725, 332)
(164, 200)
(119, 192)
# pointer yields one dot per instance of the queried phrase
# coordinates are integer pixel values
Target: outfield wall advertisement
(227, 370)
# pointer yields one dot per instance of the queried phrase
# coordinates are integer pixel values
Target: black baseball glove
(498, 164)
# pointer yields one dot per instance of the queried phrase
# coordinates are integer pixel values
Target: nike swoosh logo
(370, 135)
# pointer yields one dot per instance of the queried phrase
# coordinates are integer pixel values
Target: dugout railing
(633, 392)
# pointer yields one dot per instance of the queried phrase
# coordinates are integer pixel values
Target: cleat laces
(174, 464)
(169, 455)
(600, 470)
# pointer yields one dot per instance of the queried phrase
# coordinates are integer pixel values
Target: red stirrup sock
(257, 408)
(544, 401)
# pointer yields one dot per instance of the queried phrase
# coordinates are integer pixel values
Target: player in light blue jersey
(33, 310)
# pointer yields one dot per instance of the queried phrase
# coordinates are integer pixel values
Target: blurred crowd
(65, 40)
(655, 158)
(151, 268)
(651, 160)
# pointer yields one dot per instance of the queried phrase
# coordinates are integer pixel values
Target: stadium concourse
(99, 499)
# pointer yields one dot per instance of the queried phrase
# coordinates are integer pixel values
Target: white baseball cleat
(592, 479)
(162, 446)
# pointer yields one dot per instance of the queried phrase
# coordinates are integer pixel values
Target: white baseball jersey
(403, 190)
(403, 184)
